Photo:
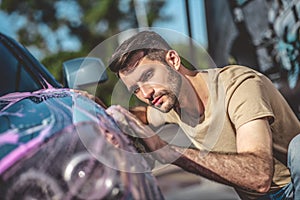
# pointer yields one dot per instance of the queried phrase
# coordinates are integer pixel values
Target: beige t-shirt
(238, 95)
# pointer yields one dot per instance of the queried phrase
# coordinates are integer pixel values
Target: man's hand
(130, 125)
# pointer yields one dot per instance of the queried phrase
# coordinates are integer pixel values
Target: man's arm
(250, 168)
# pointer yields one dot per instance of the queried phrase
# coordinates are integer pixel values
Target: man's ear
(173, 59)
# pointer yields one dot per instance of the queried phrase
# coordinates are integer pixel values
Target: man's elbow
(264, 184)
(264, 177)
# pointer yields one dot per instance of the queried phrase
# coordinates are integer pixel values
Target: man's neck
(193, 99)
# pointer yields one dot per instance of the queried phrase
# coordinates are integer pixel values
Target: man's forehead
(134, 71)
(139, 67)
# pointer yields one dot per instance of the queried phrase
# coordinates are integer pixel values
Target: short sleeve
(249, 101)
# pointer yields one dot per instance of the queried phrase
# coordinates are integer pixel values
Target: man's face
(154, 83)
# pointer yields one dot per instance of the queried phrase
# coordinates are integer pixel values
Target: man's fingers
(119, 110)
(116, 114)
(128, 123)
(128, 114)
(113, 110)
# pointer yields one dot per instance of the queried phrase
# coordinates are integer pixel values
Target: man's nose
(147, 91)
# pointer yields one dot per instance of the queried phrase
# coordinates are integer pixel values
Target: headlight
(87, 178)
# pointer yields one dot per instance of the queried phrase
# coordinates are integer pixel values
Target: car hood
(29, 119)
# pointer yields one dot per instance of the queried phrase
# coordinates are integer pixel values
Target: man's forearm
(245, 170)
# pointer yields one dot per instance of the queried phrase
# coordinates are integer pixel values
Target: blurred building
(261, 34)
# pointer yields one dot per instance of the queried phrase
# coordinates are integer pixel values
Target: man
(238, 122)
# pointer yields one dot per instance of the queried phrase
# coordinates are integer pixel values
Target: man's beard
(172, 93)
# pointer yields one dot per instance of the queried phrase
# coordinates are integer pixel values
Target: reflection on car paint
(29, 125)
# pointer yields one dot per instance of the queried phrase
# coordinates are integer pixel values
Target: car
(53, 141)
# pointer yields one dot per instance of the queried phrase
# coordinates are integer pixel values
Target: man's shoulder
(237, 70)
(235, 73)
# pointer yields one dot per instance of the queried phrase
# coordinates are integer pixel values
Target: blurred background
(57, 30)
(261, 34)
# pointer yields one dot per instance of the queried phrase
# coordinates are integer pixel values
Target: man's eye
(136, 90)
(148, 75)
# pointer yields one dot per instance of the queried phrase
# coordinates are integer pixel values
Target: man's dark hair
(144, 44)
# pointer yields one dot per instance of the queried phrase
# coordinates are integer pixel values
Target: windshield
(14, 77)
